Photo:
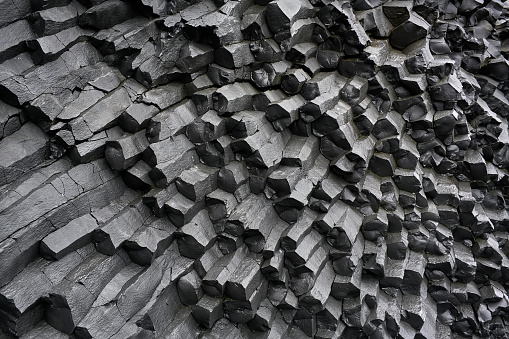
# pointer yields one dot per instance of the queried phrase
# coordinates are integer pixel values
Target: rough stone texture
(254, 169)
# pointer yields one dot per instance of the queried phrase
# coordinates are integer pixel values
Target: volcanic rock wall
(254, 169)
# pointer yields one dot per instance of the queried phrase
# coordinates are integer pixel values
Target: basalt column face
(254, 169)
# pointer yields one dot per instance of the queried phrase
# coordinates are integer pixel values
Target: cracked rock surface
(254, 169)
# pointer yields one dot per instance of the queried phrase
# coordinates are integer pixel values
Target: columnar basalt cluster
(254, 169)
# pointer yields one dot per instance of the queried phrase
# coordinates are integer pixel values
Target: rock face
(254, 169)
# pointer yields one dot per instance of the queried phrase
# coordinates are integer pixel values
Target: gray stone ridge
(258, 169)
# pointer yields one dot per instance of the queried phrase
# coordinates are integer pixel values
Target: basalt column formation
(254, 169)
